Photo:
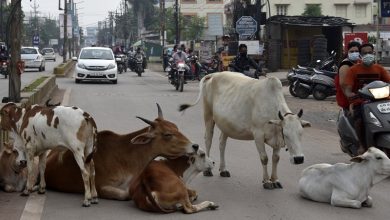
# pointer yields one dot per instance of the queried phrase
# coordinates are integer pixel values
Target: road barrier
(64, 68)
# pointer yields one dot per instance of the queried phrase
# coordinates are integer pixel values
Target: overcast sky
(90, 11)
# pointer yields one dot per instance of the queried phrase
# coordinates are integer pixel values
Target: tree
(312, 10)
(141, 9)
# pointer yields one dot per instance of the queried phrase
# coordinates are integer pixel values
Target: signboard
(361, 37)
(246, 26)
(35, 40)
(385, 8)
(253, 47)
(53, 42)
(214, 23)
(68, 24)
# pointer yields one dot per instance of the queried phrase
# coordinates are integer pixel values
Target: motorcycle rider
(357, 76)
(180, 56)
(3, 53)
(242, 62)
(352, 57)
(140, 51)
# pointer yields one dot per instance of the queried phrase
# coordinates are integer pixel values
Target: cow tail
(94, 141)
(183, 107)
(152, 199)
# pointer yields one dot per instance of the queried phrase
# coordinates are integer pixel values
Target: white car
(96, 63)
(49, 54)
(32, 58)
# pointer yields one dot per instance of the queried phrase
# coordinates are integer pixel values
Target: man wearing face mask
(352, 57)
(242, 62)
(358, 76)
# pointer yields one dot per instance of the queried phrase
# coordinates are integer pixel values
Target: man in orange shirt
(358, 76)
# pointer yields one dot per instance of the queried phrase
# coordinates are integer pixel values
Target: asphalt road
(241, 196)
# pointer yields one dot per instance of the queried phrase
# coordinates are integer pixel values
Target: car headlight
(380, 93)
(111, 66)
(373, 120)
(81, 66)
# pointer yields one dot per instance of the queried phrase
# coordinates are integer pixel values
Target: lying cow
(162, 185)
(244, 108)
(119, 158)
(37, 129)
(345, 185)
(13, 176)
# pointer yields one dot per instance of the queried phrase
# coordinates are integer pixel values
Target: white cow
(244, 108)
(345, 185)
(36, 129)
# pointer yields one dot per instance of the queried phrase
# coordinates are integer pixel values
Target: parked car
(32, 58)
(96, 63)
(49, 54)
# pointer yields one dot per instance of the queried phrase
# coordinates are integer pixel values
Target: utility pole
(162, 9)
(70, 5)
(65, 32)
(1, 20)
(177, 22)
(111, 27)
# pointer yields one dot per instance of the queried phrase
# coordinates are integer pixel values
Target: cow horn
(280, 116)
(160, 114)
(300, 113)
(146, 121)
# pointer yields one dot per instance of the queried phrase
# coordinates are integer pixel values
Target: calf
(345, 185)
(37, 129)
(119, 158)
(162, 185)
(13, 176)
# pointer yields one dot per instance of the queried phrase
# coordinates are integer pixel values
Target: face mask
(353, 56)
(243, 53)
(368, 59)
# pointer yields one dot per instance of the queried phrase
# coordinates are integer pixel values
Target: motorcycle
(4, 68)
(139, 66)
(121, 61)
(213, 65)
(178, 74)
(300, 78)
(323, 84)
(376, 115)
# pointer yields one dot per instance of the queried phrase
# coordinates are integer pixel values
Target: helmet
(2, 47)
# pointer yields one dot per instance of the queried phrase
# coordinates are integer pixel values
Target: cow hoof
(42, 191)
(86, 204)
(368, 202)
(207, 173)
(213, 206)
(25, 193)
(225, 173)
(95, 200)
(268, 185)
(277, 185)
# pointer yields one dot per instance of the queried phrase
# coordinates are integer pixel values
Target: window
(360, 10)
(214, 1)
(281, 9)
(188, 1)
(341, 11)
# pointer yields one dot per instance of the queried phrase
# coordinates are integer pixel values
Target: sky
(90, 11)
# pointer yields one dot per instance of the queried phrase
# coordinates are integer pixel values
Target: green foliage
(48, 29)
(372, 39)
(312, 10)
(191, 28)
(35, 84)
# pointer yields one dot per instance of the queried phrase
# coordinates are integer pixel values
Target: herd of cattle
(104, 164)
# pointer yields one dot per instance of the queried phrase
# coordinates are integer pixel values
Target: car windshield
(28, 51)
(96, 54)
(47, 50)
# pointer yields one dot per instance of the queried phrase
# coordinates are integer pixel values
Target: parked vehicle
(4, 68)
(375, 111)
(139, 67)
(323, 84)
(49, 54)
(32, 58)
(96, 63)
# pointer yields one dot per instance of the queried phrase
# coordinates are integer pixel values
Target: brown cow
(162, 185)
(119, 158)
(13, 176)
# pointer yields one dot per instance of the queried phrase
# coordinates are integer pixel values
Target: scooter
(323, 84)
(139, 67)
(121, 61)
(376, 117)
(4, 68)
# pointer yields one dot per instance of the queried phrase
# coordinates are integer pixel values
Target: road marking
(35, 203)
(34, 207)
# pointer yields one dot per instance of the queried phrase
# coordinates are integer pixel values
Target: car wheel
(114, 81)
(40, 69)
(77, 81)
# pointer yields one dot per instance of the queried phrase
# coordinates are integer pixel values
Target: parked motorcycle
(139, 67)
(375, 111)
(4, 68)
(323, 84)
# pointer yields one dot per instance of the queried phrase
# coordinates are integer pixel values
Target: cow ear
(275, 122)
(357, 159)
(305, 124)
(143, 138)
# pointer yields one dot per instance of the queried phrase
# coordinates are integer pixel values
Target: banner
(68, 24)
(361, 37)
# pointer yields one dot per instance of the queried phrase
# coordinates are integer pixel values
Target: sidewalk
(281, 74)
